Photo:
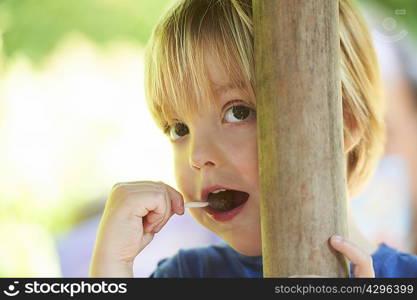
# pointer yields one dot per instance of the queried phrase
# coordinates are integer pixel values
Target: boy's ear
(352, 139)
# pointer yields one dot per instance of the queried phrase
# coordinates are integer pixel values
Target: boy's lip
(206, 191)
(224, 216)
(221, 216)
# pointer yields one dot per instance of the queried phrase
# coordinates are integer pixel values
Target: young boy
(200, 91)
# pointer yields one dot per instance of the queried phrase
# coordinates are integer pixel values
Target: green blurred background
(70, 85)
(56, 171)
(35, 27)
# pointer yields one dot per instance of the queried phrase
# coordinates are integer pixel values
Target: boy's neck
(356, 236)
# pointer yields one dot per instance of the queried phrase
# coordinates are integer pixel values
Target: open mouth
(225, 201)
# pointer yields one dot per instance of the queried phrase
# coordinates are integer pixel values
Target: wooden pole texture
(302, 164)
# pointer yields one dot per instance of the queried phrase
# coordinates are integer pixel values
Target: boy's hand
(362, 262)
(134, 212)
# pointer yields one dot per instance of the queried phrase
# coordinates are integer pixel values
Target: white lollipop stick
(196, 204)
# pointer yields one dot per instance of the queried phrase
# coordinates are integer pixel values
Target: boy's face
(219, 147)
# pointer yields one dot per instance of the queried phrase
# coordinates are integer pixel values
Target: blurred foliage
(34, 27)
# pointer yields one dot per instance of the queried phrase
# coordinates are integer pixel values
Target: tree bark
(302, 164)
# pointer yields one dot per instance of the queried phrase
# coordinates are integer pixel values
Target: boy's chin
(249, 247)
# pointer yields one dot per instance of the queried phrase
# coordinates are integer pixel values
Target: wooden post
(300, 136)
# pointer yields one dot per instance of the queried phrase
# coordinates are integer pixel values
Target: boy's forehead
(214, 84)
(220, 80)
(221, 89)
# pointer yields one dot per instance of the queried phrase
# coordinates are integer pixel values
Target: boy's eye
(238, 113)
(178, 130)
(234, 114)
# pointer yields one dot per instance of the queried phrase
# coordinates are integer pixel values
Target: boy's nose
(198, 166)
(202, 157)
(203, 153)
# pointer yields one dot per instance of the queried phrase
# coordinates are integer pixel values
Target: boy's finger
(362, 262)
(168, 209)
(176, 198)
(162, 223)
(151, 220)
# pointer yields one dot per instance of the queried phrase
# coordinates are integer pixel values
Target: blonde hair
(176, 81)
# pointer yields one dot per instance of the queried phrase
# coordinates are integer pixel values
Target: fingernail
(337, 238)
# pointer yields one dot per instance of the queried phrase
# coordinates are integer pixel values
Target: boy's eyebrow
(222, 89)
(229, 86)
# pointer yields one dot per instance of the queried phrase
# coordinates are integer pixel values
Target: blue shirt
(221, 260)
